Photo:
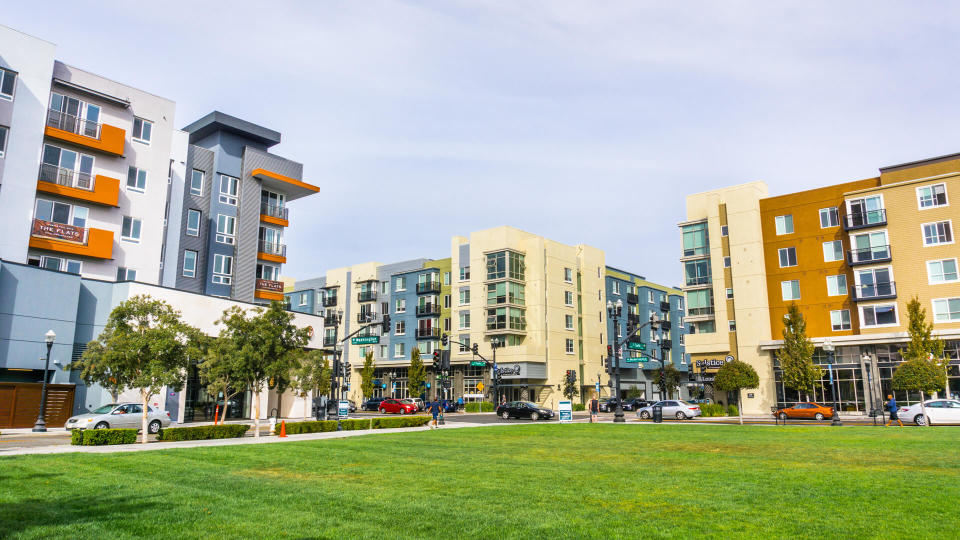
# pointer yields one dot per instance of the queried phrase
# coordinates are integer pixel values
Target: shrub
(713, 409)
(400, 422)
(482, 406)
(318, 426)
(356, 424)
(199, 433)
(733, 411)
(100, 437)
(579, 407)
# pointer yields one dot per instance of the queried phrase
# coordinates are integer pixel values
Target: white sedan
(676, 408)
(939, 411)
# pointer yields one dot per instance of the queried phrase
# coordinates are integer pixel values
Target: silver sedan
(120, 415)
(681, 410)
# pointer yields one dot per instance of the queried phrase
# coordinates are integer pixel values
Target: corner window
(130, 230)
(193, 222)
(189, 263)
(136, 179)
(932, 196)
(196, 182)
(3, 140)
(226, 227)
(8, 83)
(829, 217)
(840, 320)
(942, 271)
(788, 257)
(784, 224)
(222, 269)
(142, 130)
(879, 315)
(938, 233)
(946, 310)
(790, 290)
(229, 186)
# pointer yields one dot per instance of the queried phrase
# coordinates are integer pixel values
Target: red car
(396, 406)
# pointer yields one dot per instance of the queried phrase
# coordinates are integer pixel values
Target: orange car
(805, 410)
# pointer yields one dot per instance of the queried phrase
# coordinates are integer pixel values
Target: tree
(220, 372)
(94, 372)
(144, 345)
(570, 389)
(312, 374)
(416, 374)
(734, 376)
(924, 370)
(366, 376)
(796, 355)
(265, 345)
(672, 377)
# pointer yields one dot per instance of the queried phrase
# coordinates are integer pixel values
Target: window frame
(143, 123)
(193, 270)
(849, 322)
(138, 175)
(135, 223)
(946, 197)
(221, 277)
(226, 238)
(783, 291)
(948, 320)
(863, 319)
(568, 275)
(956, 269)
(833, 244)
(187, 228)
(5, 131)
(787, 250)
(833, 213)
(226, 197)
(785, 218)
(400, 328)
(193, 176)
(400, 306)
(569, 347)
(568, 298)
(4, 73)
(568, 322)
(844, 291)
(949, 230)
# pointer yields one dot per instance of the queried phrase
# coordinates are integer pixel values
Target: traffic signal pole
(475, 349)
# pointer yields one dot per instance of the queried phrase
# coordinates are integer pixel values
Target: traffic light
(385, 325)
(445, 360)
(666, 344)
(446, 384)
(476, 349)
(443, 340)
(336, 366)
(610, 351)
(571, 376)
(436, 357)
(665, 325)
(663, 380)
(346, 370)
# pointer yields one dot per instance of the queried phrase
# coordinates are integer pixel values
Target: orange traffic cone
(283, 428)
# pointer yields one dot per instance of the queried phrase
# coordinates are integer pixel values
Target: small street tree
(734, 376)
(366, 376)
(220, 373)
(94, 372)
(923, 370)
(312, 374)
(146, 346)
(265, 343)
(796, 355)
(570, 389)
(416, 374)
(671, 380)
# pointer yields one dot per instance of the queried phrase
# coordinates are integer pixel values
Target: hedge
(314, 426)
(712, 409)
(199, 433)
(100, 437)
(483, 406)
(353, 424)
(400, 422)
(733, 411)
(579, 407)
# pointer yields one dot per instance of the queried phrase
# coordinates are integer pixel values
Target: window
(464, 320)
(869, 247)
(697, 272)
(568, 275)
(732, 326)
(464, 296)
(222, 269)
(130, 229)
(833, 251)
(270, 272)
(942, 271)
(193, 222)
(400, 328)
(695, 240)
(189, 263)
(398, 351)
(790, 290)
(568, 298)
(724, 230)
(726, 262)
(226, 228)
(229, 187)
(8, 83)
(784, 224)
(446, 325)
(136, 179)
(829, 217)
(650, 297)
(464, 343)
(401, 284)
(788, 257)
(616, 287)
(196, 182)
(879, 315)
(126, 274)
(569, 346)
(303, 299)
(932, 196)
(946, 309)
(3, 140)
(840, 320)
(400, 306)
(66, 167)
(506, 264)
(55, 263)
(58, 212)
(141, 130)
(568, 322)
(464, 273)
(446, 301)
(446, 278)
(837, 285)
(938, 233)
(729, 294)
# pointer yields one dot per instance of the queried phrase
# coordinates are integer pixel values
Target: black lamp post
(334, 319)
(870, 407)
(829, 349)
(41, 424)
(614, 310)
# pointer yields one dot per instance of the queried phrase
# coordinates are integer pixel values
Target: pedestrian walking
(594, 410)
(892, 407)
(460, 403)
(435, 411)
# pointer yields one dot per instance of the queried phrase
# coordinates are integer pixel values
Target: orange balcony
(275, 214)
(77, 185)
(272, 251)
(63, 238)
(291, 187)
(69, 128)
(268, 289)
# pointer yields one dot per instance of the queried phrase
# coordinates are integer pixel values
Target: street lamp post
(870, 407)
(834, 385)
(41, 424)
(335, 319)
(614, 310)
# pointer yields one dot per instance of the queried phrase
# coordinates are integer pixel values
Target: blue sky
(586, 122)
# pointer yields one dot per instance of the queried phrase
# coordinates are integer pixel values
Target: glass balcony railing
(867, 218)
(73, 124)
(366, 296)
(875, 291)
(868, 255)
(698, 311)
(428, 309)
(428, 333)
(428, 287)
(273, 248)
(274, 210)
(693, 281)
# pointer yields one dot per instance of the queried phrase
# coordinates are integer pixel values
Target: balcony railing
(328, 341)
(366, 296)
(698, 280)
(696, 312)
(269, 285)
(874, 254)
(66, 177)
(366, 317)
(273, 248)
(862, 220)
(73, 124)
(632, 298)
(875, 291)
(428, 333)
(634, 318)
(429, 309)
(274, 210)
(428, 287)
(329, 301)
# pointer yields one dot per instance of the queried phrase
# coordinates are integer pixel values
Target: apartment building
(542, 302)
(850, 256)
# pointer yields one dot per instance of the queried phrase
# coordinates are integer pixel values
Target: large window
(189, 263)
(784, 224)
(73, 115)
(226, 229)
(790, 289)
(193, 222)
(695, 240)
(506, 318)
(505, 264)
(196, 182)
(837, 285)
(832, 251)
(700, 302)
(697, 272)
(59, 212)
(932, 196)
(942, 271)
(829, 217)
(130, 230)
(66, 167)
(840, 320)
(870, 247)
(946, 310)
(879, 315)
(866, 211)
(229, 187)
(938, 233)
(142, 130)
(464, 296)
(874, 282)
(788, 257)
(272, 273)
(505, 292)
(222, 269)
(8, 83)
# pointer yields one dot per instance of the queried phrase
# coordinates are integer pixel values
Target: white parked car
(414, 401)
(120, 415)
(939, 411)
(681, 410)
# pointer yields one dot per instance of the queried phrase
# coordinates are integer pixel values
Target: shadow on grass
(37, 514)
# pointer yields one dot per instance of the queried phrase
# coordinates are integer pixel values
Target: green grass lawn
(530, 481)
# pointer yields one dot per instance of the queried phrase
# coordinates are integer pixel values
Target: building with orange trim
(850, 256)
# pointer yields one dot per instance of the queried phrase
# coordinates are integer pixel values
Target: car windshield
(104, 409)
(528, 404)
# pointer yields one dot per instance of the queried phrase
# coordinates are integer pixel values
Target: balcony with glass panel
(869, 255)
(865, 219)
(272, 251)
(73, 129)
(78, 185)
(875, 291)
(428, 287)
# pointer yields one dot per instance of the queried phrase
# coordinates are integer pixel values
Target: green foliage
(919, 375)
(923, 370)
(634, 393)
(400, 422)
(354, 424)
(482, 406)
(93, 371)
(416, 374)
(712, 409)
(732, 410)
(101, 437)
(366, 376)
(734, 376)
(922, 344)
(796, 355)
(312, 373)
(570, 389)
(200, 433)
(219, 370)
(314, 426)
(579, 407)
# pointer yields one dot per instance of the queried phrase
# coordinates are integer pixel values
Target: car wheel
(783, 416)
(818, 416)
(403, 411)
(101, 425)
(920, 420)
(681, 415)
(645, 414)
(505, 415)
(153, 427)
(382, 411)
(535, 416)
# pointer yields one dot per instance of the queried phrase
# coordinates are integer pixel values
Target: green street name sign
(478, 363)
(636, 346)
(634, 360)
(365, 340)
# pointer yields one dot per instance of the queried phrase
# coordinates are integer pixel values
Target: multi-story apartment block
(850, 256)
(542, 302)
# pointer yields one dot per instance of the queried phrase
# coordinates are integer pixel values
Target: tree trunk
(114, 395)
(144, 397)
(923, 410)
(740, 405)
(256, 414)
(306, 402)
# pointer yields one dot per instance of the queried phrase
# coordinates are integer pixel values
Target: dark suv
(608, 405)
(635, 404)
(372, 404)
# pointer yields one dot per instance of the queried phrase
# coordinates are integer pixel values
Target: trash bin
(657, 413)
